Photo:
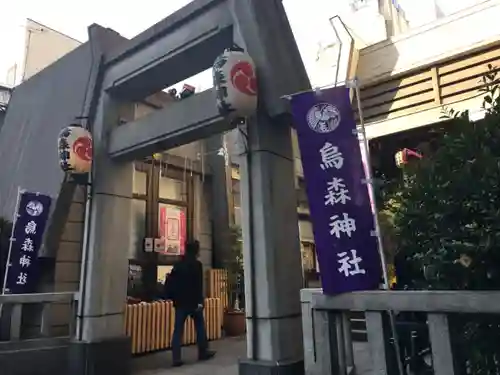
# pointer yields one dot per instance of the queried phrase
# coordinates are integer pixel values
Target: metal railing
(11, 315)
(328, 348)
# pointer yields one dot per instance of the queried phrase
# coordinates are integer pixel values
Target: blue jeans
(199, 324)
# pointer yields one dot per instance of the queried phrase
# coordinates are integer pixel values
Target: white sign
(148, 244)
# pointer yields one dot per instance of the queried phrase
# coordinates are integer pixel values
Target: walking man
(184, 286)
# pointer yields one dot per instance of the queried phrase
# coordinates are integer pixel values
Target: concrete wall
(38, 109)
(68, 260)
(2, 118)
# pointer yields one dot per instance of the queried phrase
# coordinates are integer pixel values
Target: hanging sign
(172, 230)
(343, 222)
(29, 225)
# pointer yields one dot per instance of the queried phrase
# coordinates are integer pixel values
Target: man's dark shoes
(177, 363)
(209, 354)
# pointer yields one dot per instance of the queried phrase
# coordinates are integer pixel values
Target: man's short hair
(192, 248)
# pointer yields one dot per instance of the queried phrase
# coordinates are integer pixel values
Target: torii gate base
(183, 44)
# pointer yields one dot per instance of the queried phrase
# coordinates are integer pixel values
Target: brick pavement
(225, 363)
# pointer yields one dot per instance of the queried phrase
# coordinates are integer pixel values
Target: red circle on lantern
(243, 78)
(83, 148)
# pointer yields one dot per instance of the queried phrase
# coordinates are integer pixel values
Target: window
(162, 273)
(140, 182)
(308, 256)
(306, 231)
(137, 228)
(171, 189)
(302, 195)
(172, 227)
(237, 216)
(236, 193)
(134, 285)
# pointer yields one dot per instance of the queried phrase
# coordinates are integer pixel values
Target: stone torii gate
(183, 44)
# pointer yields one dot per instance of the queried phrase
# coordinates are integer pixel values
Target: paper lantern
(402, 157)
(235, 83)
(75, 149)
(158, 156)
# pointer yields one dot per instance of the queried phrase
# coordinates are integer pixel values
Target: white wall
(43, 46)
(422, 12)
(450, 36)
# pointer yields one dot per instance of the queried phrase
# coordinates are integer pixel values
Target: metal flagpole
(7, 264)
(11, 239)
(370, 182)
(344, 322)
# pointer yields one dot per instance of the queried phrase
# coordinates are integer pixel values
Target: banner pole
(370, 182)
(7, 263)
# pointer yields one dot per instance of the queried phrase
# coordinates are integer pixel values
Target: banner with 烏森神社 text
(336, 184)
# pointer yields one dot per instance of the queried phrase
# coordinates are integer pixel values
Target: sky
(72, 20)
(309, 20)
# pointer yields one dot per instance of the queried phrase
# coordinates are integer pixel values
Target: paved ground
(225, 363)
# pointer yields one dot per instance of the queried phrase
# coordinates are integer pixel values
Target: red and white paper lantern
(235, 83)
(75, 149)
(403, 157)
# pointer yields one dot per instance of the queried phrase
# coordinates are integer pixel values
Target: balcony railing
(45, 323)
(328, 348)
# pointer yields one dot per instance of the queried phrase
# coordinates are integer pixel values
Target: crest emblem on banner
(34, 208)
(323, 118)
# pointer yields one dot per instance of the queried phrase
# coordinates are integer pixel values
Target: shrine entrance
(180, 46)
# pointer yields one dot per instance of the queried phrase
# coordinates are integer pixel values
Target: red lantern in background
(403, 156)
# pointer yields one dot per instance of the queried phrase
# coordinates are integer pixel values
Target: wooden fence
(150, 325)
(218, 286)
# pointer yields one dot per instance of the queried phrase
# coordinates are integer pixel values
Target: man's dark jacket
(184, 285)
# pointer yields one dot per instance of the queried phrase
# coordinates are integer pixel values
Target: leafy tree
(448, 223)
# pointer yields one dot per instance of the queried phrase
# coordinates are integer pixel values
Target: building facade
(414, 64)
(175, 181)
(406, 76)
(5, 92)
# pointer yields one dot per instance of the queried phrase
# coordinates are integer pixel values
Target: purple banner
(343, 223)
(29, 225)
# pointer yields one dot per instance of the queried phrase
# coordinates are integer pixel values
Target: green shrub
(448, 223)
